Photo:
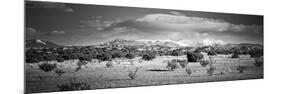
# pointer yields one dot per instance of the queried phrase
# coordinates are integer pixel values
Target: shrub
(109, 64)
(148, 57)
(188, 71)
(212, 52)
(130, 56)
(85, 58)
(211, 69)
(73, 86)
(59, 72)
(258, 62)
(204, 63)
(60, 59)
(46, 67)
(193, 57)
(235, 56)
(104, 57)
(241, 69)
(176, 53)
(182, 63)
(82, 63)
(133, 74)
(171, 65)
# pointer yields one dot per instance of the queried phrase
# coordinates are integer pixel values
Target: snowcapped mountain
(37, 43)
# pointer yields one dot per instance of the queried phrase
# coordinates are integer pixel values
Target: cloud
(97, 23)
(178, 22)
(58, 32)
(49, 5)
(30, 30)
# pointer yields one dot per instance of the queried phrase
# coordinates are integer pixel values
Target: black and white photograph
(72, 46)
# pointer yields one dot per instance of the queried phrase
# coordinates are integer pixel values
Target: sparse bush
(148, 57)
(82, 63)
(235, 56)
(182, 63)
(73, 86)
(130, 56)
(212, 53)
(46, 67)
(193, 57)
(60, 59)
(241, 69)
(188, 71)
(109, 64)
(204, 63)
(133, 74)
(258, 62)
(211, 69)
(104, 57)
(171, 65)
(59, 72)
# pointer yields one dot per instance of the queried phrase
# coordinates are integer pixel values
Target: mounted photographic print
(72, 47)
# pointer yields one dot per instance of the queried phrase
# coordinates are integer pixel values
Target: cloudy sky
(77, 24)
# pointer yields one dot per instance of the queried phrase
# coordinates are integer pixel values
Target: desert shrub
(31, 60)
(60, 59)
(204, 63)
(188, 71)
(82, 63)
(74, 86)
(117, 55)
(235, 56)
(241, 69)
(258, 62)
(130, 56)
(133, 74)
(109, 64)
(193, 57)
(211, 69)
(171, 65)
(59, 72)
(212, 52)
(182, 63)
(104, 57)
(85, 58)
(256, 53)
(176, 53)
(46, 67)
(148, 57)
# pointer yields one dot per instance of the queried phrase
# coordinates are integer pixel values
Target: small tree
(193, 57)
(258, 62)
(211, 69)
(172, 65)
(241, 69)
(204, 63)
(59, 72)
(130, 56)
(148, 57)
(188, 71)
(109, 64)
(46, 67)
(212, 52)
(133, 74)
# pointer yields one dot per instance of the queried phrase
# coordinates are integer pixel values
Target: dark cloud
(49, 5)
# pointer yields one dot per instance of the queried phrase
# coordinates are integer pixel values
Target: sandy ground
(150, 73)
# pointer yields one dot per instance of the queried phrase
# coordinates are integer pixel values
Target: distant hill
(37, 43)
(139, 43)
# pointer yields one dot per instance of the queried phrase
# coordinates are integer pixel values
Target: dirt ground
(150, 73)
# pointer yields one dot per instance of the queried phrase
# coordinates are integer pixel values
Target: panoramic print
(85, 47)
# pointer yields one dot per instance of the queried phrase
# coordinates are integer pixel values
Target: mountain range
(37, 43)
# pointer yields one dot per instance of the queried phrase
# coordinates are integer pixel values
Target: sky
(82, 24)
